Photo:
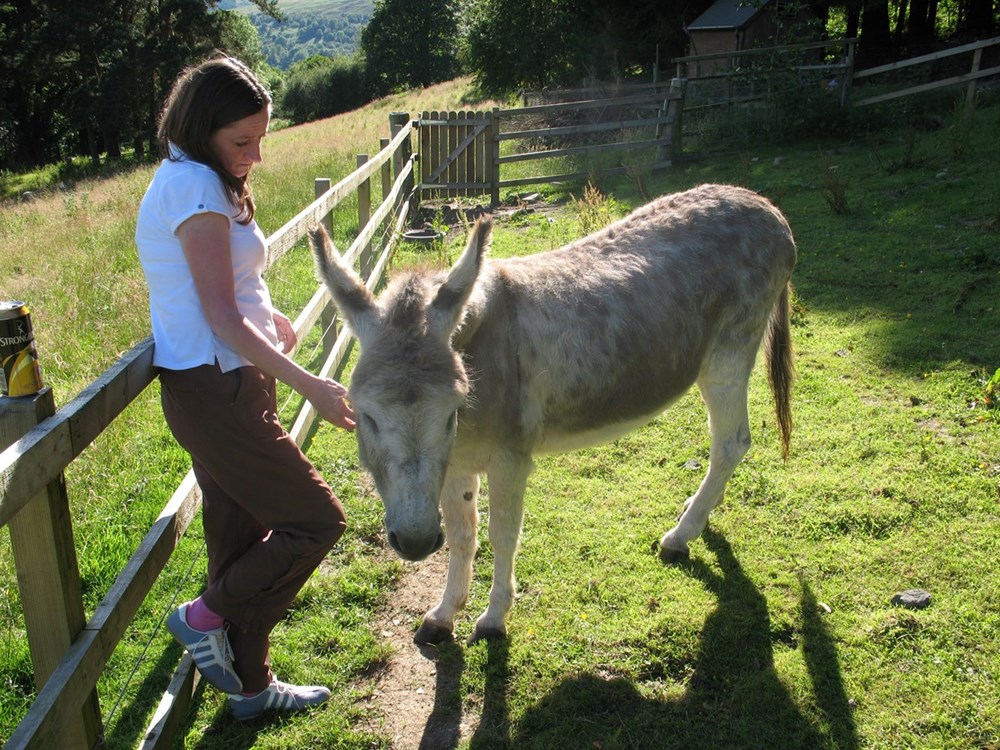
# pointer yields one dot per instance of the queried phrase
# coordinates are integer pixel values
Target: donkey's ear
(352, 297)
(447, 308)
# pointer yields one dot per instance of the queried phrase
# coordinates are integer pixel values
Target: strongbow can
(20, 374)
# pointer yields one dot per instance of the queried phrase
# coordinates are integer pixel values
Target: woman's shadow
(734, 697)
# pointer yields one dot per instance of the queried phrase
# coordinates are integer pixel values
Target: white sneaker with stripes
(278, 696)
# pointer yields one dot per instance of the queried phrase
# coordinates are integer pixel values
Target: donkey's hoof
(431, 634)
(669, 555)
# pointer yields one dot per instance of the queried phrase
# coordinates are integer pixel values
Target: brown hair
(204, 98)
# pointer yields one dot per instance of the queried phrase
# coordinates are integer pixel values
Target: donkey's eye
(451, 422)
(369, 423)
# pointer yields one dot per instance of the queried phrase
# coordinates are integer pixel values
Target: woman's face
(237, 145)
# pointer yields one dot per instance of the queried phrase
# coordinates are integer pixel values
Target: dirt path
(413, 702)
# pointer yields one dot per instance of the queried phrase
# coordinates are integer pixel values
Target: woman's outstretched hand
(329, 398)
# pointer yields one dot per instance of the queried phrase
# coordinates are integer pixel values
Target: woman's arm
(205, 241)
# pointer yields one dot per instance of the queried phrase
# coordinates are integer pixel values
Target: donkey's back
(584, 343)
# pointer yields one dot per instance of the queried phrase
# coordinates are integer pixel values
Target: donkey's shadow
(733, 685)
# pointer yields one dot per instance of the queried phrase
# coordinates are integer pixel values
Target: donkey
(478, 368)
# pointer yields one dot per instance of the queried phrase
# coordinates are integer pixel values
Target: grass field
(780, 632)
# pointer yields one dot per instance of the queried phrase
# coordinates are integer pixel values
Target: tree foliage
(891, 29)
(298, 36)
(89, 77)
(513, 44)
(86, 76)
(321, 87)
(411, 43)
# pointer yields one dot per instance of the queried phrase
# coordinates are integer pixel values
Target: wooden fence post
(328, 314)
(386, 170)
(495, 160)
(675, 105)
(320, 186)
(848, 75)
(970, 89)
(364, 215)
(396, 122)
(48, 577)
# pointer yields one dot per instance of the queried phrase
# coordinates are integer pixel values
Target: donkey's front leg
(461, 521)
(508, 477)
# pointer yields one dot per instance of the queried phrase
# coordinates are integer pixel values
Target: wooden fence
(745, 76)
(970, 79)
(39, 442)
(460, 152)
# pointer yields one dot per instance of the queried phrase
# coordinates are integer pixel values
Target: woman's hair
(206, 97)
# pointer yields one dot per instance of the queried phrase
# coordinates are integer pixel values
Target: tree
(30, 121)
(321, 87)
(537, 43)
(410, 44)
(240, 36)
(85, 76)
(875, 40)
(976, 17)
(532, 43)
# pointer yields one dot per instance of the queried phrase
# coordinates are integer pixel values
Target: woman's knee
(332, 523)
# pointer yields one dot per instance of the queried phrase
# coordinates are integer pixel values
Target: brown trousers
(269, 518)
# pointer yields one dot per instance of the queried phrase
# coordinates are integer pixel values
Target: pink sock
(200, 617)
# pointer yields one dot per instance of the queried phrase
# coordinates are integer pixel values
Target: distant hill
(311, 27)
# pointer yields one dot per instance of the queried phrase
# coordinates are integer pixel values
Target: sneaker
(278, 696)
(210, 651)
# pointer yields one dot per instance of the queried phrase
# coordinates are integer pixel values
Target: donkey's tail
(780, 364)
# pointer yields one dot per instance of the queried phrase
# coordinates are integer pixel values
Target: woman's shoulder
(185, 187)
(187, 176)
(186, 168)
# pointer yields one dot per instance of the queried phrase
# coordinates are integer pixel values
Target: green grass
(780, 632)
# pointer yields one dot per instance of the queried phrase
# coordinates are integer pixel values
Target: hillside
(311, 27)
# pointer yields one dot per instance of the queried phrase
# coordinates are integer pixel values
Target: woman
(269, 518)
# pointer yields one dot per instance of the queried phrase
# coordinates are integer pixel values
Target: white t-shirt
(183, 338)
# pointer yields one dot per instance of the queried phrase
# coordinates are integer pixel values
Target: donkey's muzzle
(417, 548)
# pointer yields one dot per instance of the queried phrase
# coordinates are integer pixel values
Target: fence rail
(741, 63)
(975, 72)
(65, 713)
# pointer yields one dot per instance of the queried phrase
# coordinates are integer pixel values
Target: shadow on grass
(130, 724)
(734, 698)
(443, 730)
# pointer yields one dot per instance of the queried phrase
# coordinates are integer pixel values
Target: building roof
(727, 14)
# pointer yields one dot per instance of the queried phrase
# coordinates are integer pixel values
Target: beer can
(20, 374)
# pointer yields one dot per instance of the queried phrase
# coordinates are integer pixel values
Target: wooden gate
(456, 153)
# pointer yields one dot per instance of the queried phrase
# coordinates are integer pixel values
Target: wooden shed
(730, 26)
